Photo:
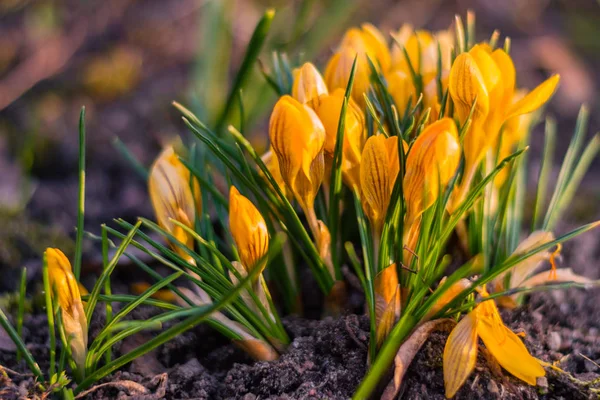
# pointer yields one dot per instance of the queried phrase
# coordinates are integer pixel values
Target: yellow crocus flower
(297, 138)
(338, 71)
(65, 289)
(379, 168)
(328, 109)
(431, 163)
(377, 46)
(488, 77)
(366, 42)
(173, 198)
(460, 352)
(308, 84)
(249, 230)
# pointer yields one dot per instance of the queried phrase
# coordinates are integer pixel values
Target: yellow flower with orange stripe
(175, 197)
(484, 80)
(328, 108)
(249, 230)
(297, 139)
(432, 161)
(65, 289)
(308, 84)
(362, 43)
(379, 169)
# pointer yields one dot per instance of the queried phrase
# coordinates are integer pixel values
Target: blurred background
(127, 60)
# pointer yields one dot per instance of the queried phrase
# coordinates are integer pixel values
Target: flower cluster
(409, 147)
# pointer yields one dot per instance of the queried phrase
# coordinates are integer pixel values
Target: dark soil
(326, 359)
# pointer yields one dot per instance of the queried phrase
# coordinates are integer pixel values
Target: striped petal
(460, 354)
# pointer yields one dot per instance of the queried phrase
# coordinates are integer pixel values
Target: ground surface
(326, 359)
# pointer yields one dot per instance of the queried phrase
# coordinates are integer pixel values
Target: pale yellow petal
(536, 98)
(525, 268)
(460, 354)
(308, 84)
(510, 352)
(170, 191)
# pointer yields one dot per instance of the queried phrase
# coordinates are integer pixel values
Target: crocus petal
(507, 72)
(376, 45)
(536, 98)
(249, 230)
(431, 163)
(447, 296)
(297, 138)
(337, 72)
(308, 84)
(525, 268)
(171, 196)
(466, 85)
(402, 89)
(377, 176)
(386, 285)
(387, 318)
(272, 164)
(509, 351)
(460, 354)
(490, 72)
(387, 302)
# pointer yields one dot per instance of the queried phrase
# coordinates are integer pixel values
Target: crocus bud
(308, 84)
(328, 110)
(364, 44)
(174, 197)
(379, 168)
(339, 67)
(402, 89)
(248, 229)
(297, 138)
(377, 47)
(431, 163)
(65, 289)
